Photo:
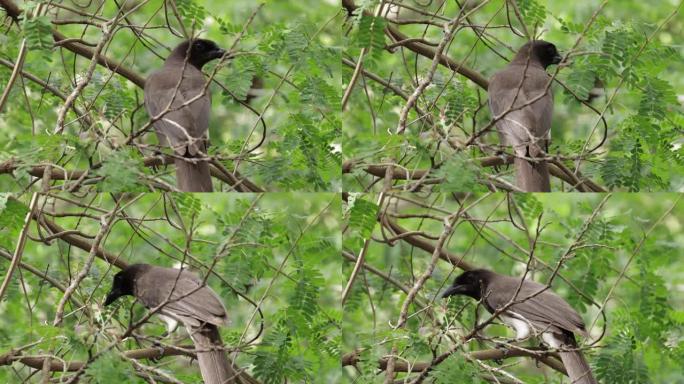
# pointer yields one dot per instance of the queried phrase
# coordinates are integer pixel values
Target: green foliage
(460, 174)
(311, 164)
(581, 81)
(193, 13)
(362, 215)
(188, 205)
(530, 206)
(238, 78)
(120, 171)
(38, 33)
(370, 34)
(459, 102)
(111, 368)
(532, 12)
(455, 369)
(273, 363)
(241, 227)
(316, 92)
(12, 214)
(109, 95)
(295, 43)
(635, 167)
(657, 97)
(304, 296)
(621, 362)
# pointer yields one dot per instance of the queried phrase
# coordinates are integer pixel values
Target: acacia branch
(79, 242)
(538, 354)
(556, 168)
(425, 245)
(56, 365)
(9, 166)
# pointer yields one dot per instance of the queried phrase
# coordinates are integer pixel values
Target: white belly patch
(524, 329)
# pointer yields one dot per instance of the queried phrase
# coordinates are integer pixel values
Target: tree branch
(488, 354)
(72, 366)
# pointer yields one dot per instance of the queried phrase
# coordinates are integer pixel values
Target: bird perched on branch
(180, 94)
(531, 309)
(185, 298)
(521, 102)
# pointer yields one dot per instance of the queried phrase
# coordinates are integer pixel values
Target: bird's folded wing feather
(546, 311)
(189, 302)
(185, 127)
(529, 123)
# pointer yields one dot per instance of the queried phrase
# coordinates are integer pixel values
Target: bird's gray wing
(546, 311)
(184, 129)
(201, 306)
(529, 124)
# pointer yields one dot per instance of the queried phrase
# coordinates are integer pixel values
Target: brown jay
(520, 97)
(184, 123)
(186, 299)
(536, 311)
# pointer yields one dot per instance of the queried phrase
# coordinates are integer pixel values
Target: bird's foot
(503, 347)
(160, 348)
(502, 155)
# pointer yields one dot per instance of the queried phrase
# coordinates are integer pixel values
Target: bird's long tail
(576, 365)
(193, 177)
(215, 366)
(532, 176)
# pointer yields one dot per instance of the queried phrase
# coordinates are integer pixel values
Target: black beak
(217, 53)
(453, 290)
(556, 59)
(112, 296)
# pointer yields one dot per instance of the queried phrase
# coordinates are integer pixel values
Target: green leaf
(304, 296)
(193, 13)
(370, 34)
(581, 81)
(635, 167)
(459, 102)
(620, 361)
(12, 214)
(273, 363)
(656, 97)
(109, 368)
(530, 206)
(38, 33)
(455, 369)
(239, 75)
(362, 215)
(121, 171)
(295, 43)
(317, 92)
(188, 205)
(532, 12)
(460, 174)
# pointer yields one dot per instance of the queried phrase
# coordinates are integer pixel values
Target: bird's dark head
(469, 283)
(123, 283)
(542, 51)
(198, 51)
